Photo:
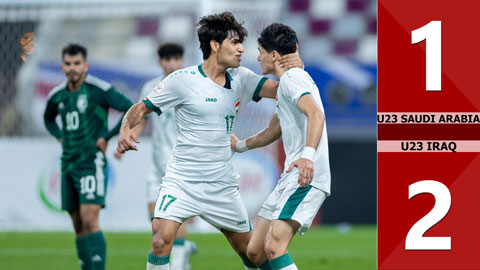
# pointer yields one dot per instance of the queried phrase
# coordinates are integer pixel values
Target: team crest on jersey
(82, 103)
(158, 88)
(276, 101)
(60, 106)
(237, 106)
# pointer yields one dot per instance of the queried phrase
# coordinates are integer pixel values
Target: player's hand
(118, 155)
(305, 171)
(291, 60)
(126, 139)
(233, 142)
(102, 144)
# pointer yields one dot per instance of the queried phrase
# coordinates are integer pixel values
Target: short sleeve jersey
(294, 84)
(84, 115)
(204, 116)
(163, 130)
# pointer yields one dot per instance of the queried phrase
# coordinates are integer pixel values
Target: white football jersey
(294, 84)
(204, 116)
(163, 131)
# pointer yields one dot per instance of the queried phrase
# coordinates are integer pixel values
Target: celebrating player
(163, 139)
(200, 179)
(305, 183)
(83, 102)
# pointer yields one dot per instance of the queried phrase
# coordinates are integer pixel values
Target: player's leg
(295, 212)
(256, 250)
(70, 203)
(239, 243)
(182, 249)
(256, 246)
(175, 203)
(90, 180)
(90, 220)
(224, 209)
(278, 238)
(164, 231)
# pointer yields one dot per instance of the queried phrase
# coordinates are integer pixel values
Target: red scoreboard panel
(428, 134)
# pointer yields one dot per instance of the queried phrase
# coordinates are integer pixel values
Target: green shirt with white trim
(84, 117)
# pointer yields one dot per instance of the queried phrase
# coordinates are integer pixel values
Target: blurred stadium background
(337, 45)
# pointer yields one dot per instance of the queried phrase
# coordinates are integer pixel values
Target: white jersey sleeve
(172, 91)
(252, 84)
(148, 87)
(296, 87)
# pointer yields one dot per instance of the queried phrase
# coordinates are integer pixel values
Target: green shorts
(85, 184)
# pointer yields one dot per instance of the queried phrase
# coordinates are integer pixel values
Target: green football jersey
(84, 115)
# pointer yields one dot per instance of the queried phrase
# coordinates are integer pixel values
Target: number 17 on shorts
(428, 134)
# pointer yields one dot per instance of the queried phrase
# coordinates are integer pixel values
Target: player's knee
(241, 248)
(161, 246)
(90, 224)
(254, 254)
(272, 246)
(78, 226)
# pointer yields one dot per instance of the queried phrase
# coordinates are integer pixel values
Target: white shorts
(290, 201)
(218, 203)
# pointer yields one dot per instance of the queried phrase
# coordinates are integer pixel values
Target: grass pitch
(323, 248)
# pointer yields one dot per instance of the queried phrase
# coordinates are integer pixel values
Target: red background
(401, 88)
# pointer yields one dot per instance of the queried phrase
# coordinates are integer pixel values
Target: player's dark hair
(169, 50)
(74, 49)
(216, 27)
(278, 37)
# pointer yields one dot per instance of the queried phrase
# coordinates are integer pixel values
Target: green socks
(283, 262)
(83, 252)
(98, 250)
(92, 251)
(265, 266)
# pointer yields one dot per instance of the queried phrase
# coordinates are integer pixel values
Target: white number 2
(432, 33)
(443, 201)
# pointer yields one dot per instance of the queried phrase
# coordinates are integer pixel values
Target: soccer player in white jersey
(305, 183)
(163, 139)
(200, 179)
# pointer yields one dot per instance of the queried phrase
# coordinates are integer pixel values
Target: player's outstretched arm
(138, 130)
(265, 137)
(132, 118)
(316, 120)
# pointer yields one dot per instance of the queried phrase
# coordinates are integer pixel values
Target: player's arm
(292, 60)
(49, 116)
(133, 117)
(265, 137)
(120, 103)
(316, 120)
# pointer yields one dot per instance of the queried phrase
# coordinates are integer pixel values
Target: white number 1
(432, 33)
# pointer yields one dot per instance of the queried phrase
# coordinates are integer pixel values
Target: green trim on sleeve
(152, 107)
(306, 93)
(256, 94)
